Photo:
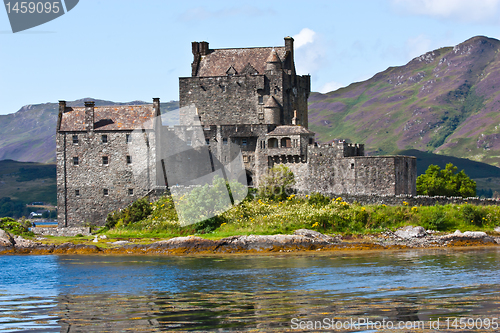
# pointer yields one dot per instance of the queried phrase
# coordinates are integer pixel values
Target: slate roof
(289, 129)
(109, 118)
(218, 61)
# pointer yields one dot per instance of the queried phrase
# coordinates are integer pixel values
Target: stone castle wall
(81, 193)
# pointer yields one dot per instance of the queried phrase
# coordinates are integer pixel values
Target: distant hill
(29, 134)
(445, 101)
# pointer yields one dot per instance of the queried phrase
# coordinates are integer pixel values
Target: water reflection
(99, 293)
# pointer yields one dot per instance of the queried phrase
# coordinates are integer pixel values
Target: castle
(250, 98)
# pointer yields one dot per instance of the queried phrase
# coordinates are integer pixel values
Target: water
(241, 292)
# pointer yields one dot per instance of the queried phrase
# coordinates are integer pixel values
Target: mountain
(445, 101)
(30, 133)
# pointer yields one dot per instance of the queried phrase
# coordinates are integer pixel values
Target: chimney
(294, 119)
(196, 57)
(156, 106)
(196, 48)
(62, 106)
(289, 49)
(203, 48)
(89, 116)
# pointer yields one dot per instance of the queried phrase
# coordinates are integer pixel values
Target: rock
(95, 240)
(103, 237)
(120, 242)
(411, 232)
(6, 239)
(314, 235)
(497, 229)
(468, 235)
(24, 243)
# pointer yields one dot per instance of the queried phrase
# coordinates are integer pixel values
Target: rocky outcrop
(411, 232)
(301, 240)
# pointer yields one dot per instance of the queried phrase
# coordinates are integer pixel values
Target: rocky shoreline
(301, 240)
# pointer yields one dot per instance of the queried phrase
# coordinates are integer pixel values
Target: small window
(223, 88)
(189, 143)
(129, 159)
(77, 193)
(261, 99)
(75, 160)
(104, 138)
(105, 160)
(130, 191)
(224, 141)
(75, 139)
(244, 142)
(128, 138)
(207, 141)
(245, 159)
(105, 192)
(352, 165)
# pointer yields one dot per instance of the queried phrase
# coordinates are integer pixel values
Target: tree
(445, 182)
(277, 183)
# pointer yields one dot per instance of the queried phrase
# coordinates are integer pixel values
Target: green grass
(267, 217)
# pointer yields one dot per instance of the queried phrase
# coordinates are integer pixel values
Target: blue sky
(124, 50)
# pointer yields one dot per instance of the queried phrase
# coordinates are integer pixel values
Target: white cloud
(417, 46)
(310, 53)
(305, 36)
(330, 86)
(464, 10)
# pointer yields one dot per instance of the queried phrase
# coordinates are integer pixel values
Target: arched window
(272, 143)
(286, 143)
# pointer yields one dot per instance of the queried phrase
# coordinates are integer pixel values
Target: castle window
(77, 193)
(75, 139)
(224, 141)
(263, 144)
(105, 192)
(75, 160)
(352, 165)
(286, 143)
(223, 88)
(105, 160)
(244, 142)
(130, 191)
(129, 159)
(104, 138)
(261, 99)
(275, 91)
(128, 138)
(189, 143)
(272, 143)
(207, 141)
(245, 159)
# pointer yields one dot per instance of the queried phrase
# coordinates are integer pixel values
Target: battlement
(338, 149)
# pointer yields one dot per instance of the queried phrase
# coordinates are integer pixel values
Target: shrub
(473, 215)
(318, 199)
(136, 212)
(277, 184)
(14, 227)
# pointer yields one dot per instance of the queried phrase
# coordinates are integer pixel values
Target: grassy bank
(267, 217)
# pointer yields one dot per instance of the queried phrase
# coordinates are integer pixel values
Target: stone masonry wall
(81, 188)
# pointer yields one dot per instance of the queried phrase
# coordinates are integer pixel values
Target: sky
(126, 50)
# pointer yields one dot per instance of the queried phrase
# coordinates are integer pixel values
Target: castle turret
(272, 112)
(273, 62)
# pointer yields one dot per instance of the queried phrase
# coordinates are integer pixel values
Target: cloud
(417, 46)
(310, 53)
(463, 10)
(330, 86)
(305, 36)
(201, 13)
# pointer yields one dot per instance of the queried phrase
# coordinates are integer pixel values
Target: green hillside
(445, 101)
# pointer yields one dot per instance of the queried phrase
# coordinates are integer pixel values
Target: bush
(14, 227)
(136, 212)
(473, 215)
(318, 199)
(277, 184)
